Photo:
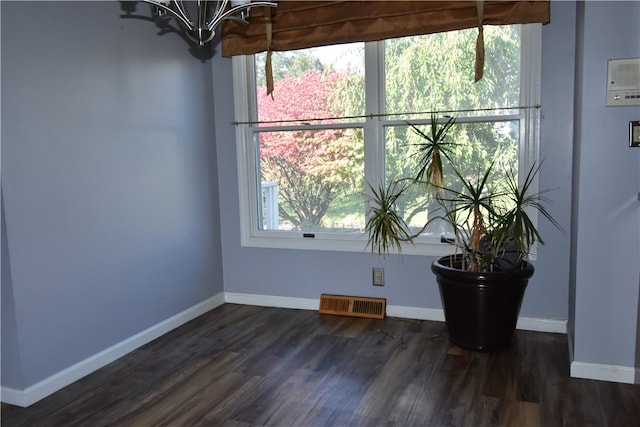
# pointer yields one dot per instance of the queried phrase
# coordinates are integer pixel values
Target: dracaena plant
(515, 229)
(491, 221)
(472, 213)
(431, 151)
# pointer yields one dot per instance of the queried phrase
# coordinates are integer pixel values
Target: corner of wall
(11, 370)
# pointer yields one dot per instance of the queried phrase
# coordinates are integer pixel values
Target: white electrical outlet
(378, 277)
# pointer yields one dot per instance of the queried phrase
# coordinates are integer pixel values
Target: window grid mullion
(373, 137)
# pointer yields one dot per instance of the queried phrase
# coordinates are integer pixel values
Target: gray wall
(607, 211)
(108, 183)
(409, 281)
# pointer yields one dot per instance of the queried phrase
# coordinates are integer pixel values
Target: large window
(342, 118)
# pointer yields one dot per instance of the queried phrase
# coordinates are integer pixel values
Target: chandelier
(197, 19)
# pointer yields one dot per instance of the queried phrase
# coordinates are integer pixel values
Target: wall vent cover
(373, 308)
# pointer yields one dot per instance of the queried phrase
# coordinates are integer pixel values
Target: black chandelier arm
(231, 13)
(210, 14)
(181, 9)
(219, 15)
(202, 12)
(179, 16)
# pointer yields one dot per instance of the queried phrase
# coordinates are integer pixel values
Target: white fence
(270, 207)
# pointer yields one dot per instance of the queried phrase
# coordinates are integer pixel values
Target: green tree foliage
(435, 73)
(286, 64)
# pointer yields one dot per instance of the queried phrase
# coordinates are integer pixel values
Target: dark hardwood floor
(253, 366)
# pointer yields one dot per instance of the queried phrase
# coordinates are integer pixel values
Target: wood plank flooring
(255, 366)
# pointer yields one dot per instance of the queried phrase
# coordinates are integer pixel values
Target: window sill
(340, 243)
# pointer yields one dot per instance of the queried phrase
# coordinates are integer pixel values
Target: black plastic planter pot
(481, 309)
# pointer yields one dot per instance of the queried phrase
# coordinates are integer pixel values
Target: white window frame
(245, 106)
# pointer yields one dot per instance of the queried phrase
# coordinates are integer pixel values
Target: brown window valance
(303, 24)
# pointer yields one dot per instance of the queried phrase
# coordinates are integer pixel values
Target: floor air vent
(373, 308)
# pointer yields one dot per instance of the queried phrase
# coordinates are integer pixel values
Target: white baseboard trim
(272, 301)
(12, 396)
(50, 385)
(542, 325)
(597, 371)
(420, 313)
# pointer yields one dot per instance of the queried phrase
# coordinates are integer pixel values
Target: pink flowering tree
(312, 167)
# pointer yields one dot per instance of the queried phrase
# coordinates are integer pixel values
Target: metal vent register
(373, 308)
